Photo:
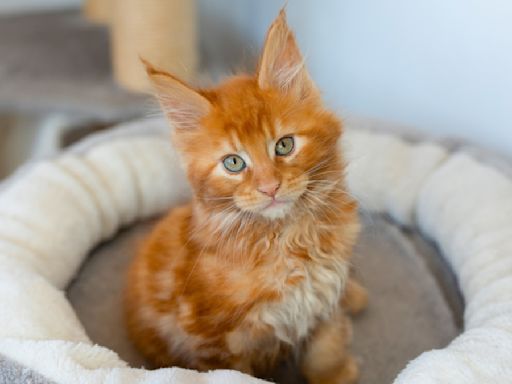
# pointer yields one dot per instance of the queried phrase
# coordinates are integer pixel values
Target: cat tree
(98, 11)
(163, 32)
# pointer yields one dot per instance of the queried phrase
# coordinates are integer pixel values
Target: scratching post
(161, 31)
(98, 11)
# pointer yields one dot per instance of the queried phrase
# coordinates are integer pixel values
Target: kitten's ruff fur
(237, 278)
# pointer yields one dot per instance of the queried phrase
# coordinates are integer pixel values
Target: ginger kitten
(256, 266)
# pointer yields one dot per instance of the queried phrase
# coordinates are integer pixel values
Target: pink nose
(269, 189)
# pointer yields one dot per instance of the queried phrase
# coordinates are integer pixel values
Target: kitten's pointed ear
(281, 64)
(183, 106)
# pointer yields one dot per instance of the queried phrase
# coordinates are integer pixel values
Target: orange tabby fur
(255, 266)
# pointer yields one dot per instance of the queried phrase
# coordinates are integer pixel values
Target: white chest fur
(312, 299)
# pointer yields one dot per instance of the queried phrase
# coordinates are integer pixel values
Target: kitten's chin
(277, 209)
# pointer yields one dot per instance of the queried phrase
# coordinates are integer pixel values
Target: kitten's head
(261, 144)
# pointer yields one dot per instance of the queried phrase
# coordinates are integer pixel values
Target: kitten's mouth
(276, 203)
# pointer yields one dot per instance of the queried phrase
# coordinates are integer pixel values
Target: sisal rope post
(164, 32)
(98, 11)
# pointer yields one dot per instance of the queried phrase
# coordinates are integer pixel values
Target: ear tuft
(282, 65)
(150, 69)
(183, 105)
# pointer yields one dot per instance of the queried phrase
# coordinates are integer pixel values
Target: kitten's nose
(269, 189)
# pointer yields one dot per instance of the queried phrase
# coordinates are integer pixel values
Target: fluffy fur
(256, 265)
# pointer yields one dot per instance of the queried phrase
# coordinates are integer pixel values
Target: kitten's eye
(285, 146)
(234, 163)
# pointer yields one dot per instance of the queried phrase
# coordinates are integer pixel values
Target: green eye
(234, 163)
(285, 146)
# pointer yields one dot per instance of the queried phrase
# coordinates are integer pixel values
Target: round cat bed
(60, 292)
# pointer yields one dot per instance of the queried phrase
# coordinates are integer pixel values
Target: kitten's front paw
(348, 373)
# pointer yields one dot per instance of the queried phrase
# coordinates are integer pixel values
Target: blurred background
(70, 67)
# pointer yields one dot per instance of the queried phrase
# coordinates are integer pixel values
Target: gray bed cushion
(414, 302)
